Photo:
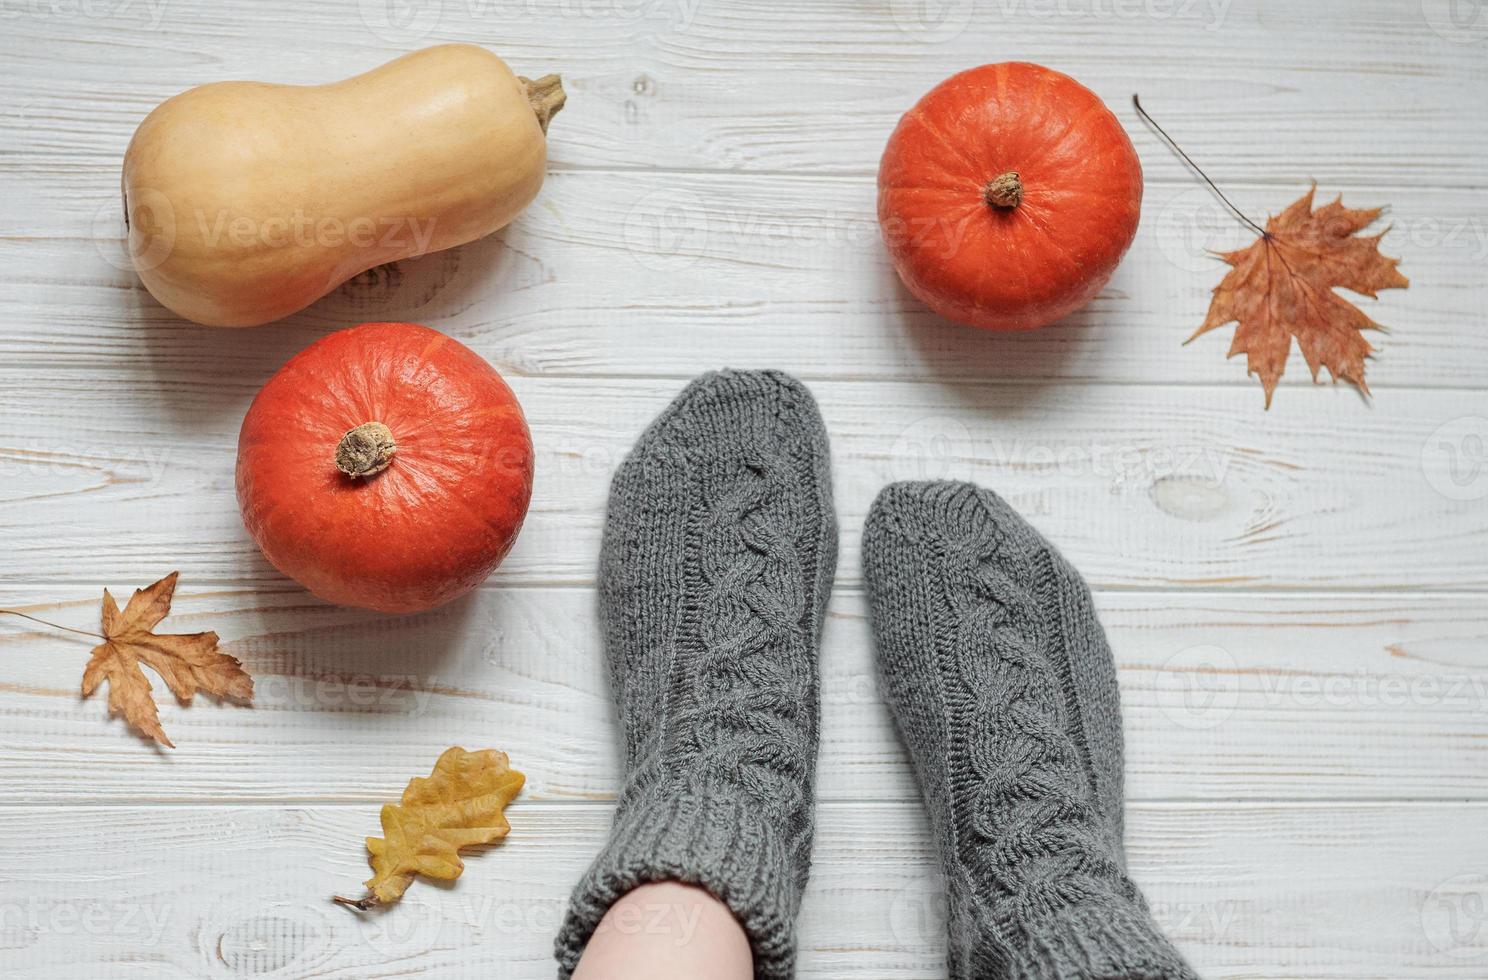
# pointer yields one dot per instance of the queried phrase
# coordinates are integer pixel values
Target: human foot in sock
(719, 550)
(1004, 690)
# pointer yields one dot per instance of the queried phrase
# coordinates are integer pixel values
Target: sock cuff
(738, 853)
(1090, 942)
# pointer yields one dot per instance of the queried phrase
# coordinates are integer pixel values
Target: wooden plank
(122, 475)
(635, 275)
(1245, 696)
(813, 86)
(1305, 765)
(1245, 891)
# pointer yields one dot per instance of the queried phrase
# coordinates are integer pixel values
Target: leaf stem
(55, 626)
(1196, 169)
(363, 904)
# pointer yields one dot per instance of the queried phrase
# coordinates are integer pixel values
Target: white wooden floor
(1298, 599)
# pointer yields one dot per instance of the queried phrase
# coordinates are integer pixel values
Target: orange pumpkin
(1008, 195)
(385, 466)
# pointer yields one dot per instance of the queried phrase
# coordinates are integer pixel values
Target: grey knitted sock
(1001, 683)
(719, 551)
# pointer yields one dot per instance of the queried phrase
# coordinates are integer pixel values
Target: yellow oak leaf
(1281, 287)
(188, 662)
(460, 805)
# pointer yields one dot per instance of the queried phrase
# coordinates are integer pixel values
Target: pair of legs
(719, 553)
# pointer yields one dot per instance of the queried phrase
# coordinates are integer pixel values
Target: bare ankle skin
(667, 931)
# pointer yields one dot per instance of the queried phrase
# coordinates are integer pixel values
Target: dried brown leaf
(188, 662)
(1281, 287)
(460, 805)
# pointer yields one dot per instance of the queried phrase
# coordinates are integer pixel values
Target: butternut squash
(246, 202)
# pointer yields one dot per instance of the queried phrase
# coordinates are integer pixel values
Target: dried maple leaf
(1282, 287)
(188, 662)
(460, 805)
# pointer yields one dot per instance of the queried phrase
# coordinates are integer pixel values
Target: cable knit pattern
(1003, 688)
(718, 557)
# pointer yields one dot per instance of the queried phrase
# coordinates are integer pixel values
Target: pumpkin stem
(366, 450)
(546, 95)
(1004, 191)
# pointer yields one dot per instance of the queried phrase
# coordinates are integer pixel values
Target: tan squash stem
(546, 95)
(1004, 191)
(366, 450)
